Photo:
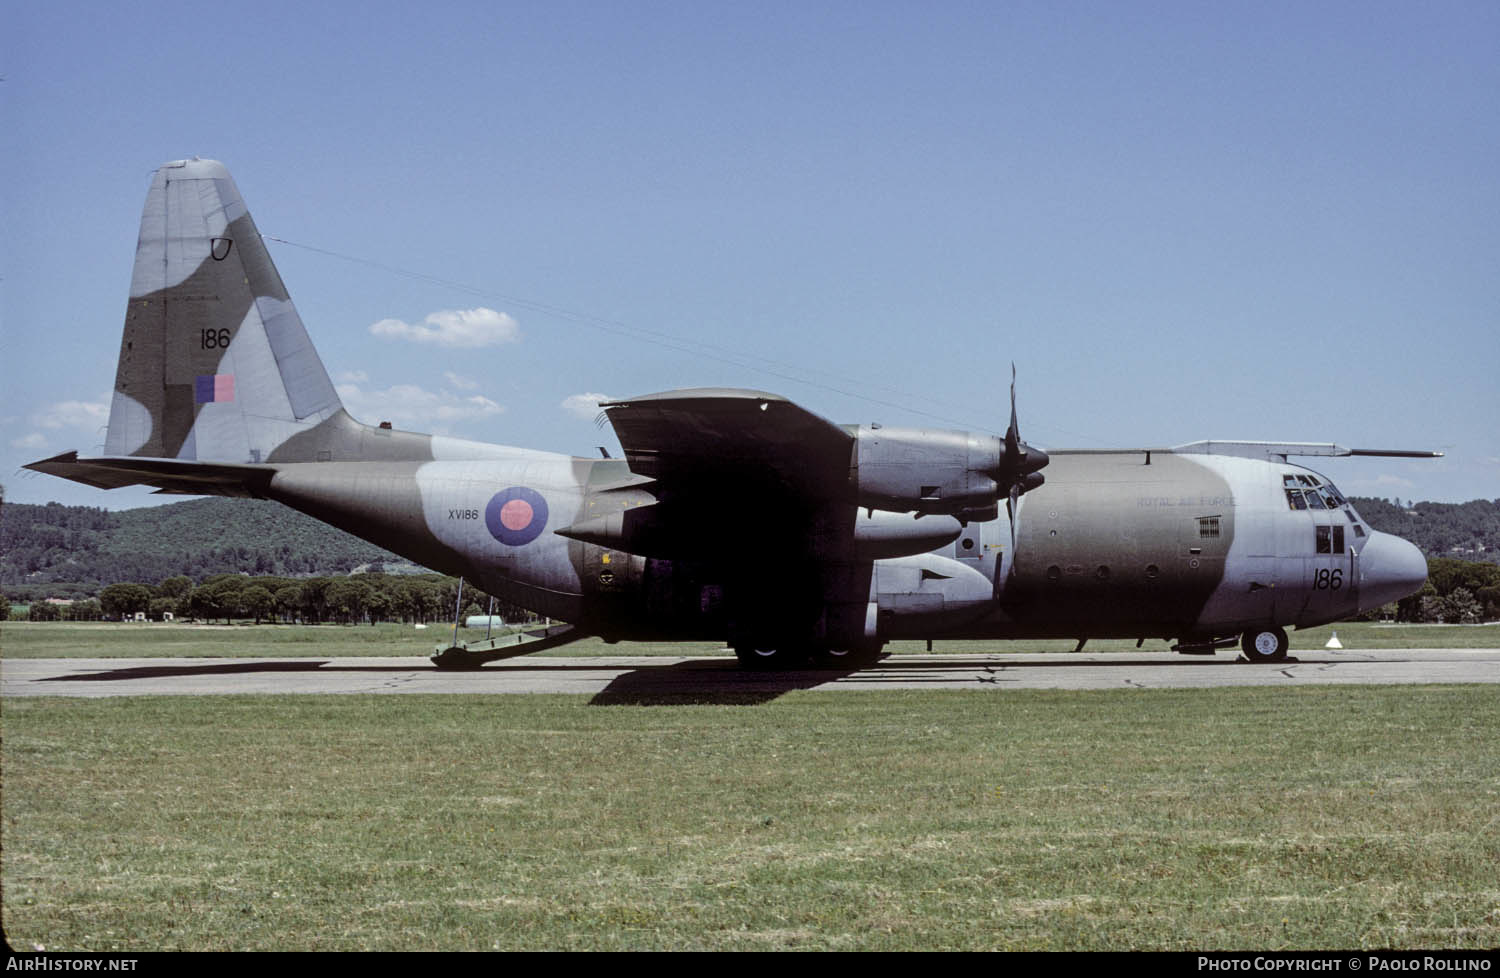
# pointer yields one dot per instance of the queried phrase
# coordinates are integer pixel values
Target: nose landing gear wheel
(1265, 644)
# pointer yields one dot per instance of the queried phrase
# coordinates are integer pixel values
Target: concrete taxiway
(629, 678)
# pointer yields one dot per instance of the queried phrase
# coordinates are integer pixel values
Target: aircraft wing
(737, 441)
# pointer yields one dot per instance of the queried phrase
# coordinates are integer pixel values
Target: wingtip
(65, 457)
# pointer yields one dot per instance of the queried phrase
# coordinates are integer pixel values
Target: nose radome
(1390, 569)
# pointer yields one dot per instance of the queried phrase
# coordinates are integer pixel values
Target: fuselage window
(1338, 539)
(1314, 500)
(1359, 531)
(1323, 541)
(1294, 499)
(1208, 526)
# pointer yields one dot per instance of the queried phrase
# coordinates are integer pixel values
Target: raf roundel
(516, 516)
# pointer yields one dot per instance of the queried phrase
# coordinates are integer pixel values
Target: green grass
(1232, 818)
(33, 640)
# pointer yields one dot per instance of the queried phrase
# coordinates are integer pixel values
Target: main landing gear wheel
(756, 655)
(857, 657)
(1265, 644)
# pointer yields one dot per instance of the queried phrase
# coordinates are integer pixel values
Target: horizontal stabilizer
(165, 474)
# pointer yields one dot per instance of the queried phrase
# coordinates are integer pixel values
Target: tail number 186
(1328, 580)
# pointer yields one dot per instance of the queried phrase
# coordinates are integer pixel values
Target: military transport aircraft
(735, 514)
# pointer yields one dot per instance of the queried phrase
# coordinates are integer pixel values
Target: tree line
(1457, 592)
(354, 599)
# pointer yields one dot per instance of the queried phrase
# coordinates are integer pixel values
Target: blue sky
(1181, 221)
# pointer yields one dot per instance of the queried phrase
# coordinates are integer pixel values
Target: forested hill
(86, 548)
(1467, 531)
(89, 548)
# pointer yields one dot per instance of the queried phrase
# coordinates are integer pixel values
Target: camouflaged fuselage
(1109, 546)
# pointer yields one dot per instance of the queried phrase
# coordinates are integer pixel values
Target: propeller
(1018, 471)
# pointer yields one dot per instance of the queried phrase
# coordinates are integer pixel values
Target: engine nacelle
(882, 535)
(930, 471)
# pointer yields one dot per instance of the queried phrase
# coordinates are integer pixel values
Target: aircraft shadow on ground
(207, 669)
(684, 683)
(695, 681)
(707, 681)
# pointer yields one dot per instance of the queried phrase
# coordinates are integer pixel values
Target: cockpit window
(1307, 491)
(1342, 503)
(1330, 539)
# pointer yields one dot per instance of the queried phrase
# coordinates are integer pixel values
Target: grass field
(1231, 818)
(73, 639)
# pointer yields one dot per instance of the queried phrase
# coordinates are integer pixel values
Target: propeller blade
(1020, 458)
(1011, 506)
(1012, 503)
(1013, 433)
(1016, 475)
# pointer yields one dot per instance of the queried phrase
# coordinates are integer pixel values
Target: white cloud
(454, 327)
(352, 377)
(585, 406)
(85, 416)
(461, 383)
(88, 415)
(415, 408)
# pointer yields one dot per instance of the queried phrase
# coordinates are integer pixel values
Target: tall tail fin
(215, 365)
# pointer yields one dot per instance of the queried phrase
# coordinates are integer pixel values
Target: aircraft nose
(1390, 569)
